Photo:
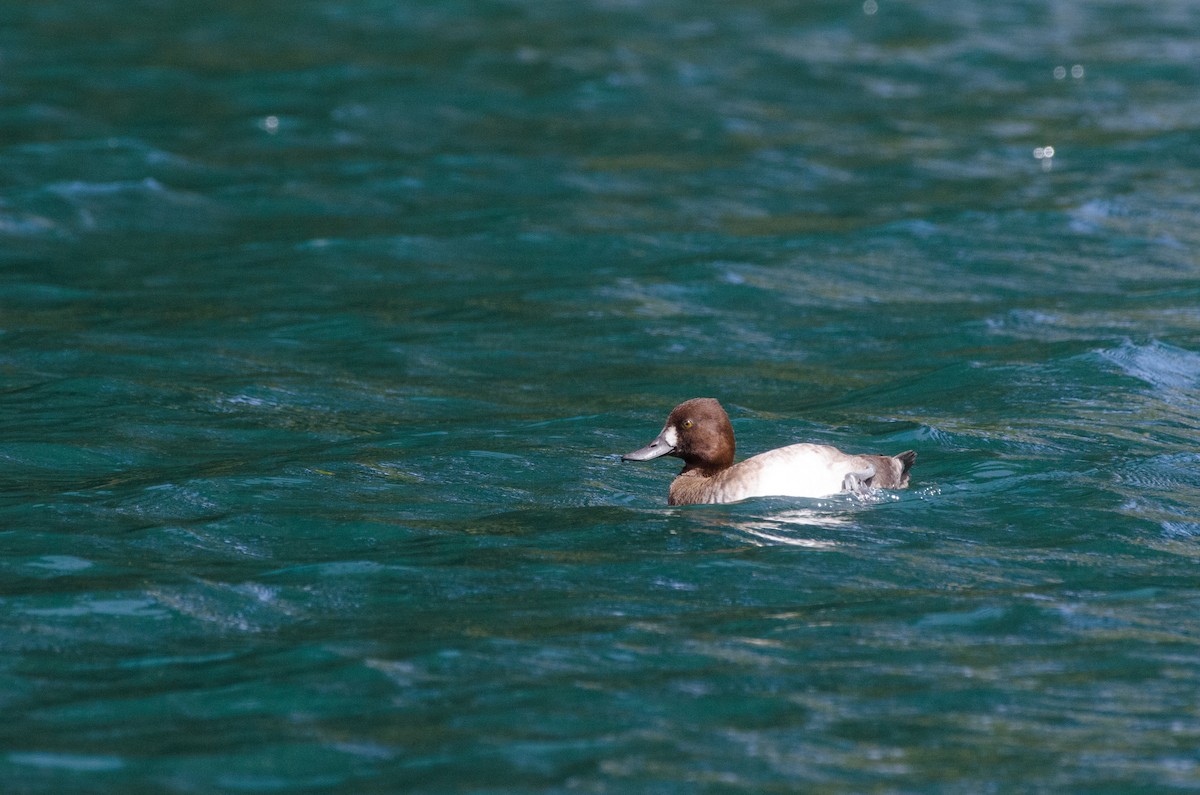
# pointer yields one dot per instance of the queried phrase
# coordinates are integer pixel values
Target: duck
(699, 432)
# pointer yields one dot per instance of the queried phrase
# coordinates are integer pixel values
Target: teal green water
(323, 325)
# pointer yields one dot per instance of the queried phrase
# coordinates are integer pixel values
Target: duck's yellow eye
(687, 424)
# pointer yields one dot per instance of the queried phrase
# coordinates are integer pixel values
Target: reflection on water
(787, 527)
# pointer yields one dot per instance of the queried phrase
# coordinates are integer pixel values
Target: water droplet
(1046, 155)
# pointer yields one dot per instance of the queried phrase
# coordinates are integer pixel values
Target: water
(322, 326)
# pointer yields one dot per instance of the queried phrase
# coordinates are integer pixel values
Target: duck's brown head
(699, 432)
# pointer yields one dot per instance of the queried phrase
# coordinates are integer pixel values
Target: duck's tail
(905, 462)
(891, 471)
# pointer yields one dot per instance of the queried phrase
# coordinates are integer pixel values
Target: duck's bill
(656, 449)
